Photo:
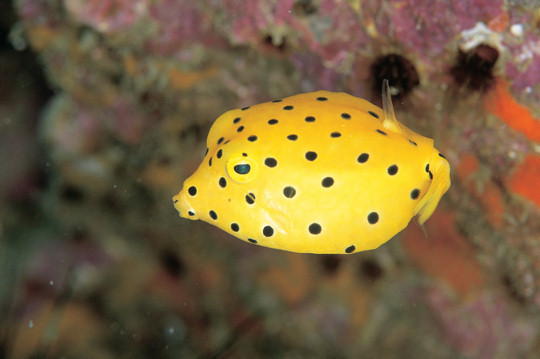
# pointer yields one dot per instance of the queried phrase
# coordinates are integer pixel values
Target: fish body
(319, 172)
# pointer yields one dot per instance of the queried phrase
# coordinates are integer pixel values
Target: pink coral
(483, 327)
(107, 15)
(428, 26)
(179, 24)
(40, 12)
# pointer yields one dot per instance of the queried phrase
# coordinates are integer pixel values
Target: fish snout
(183, 206)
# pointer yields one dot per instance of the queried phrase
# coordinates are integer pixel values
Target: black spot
(275, 101)
(222, 182)
(191, 213)
(345, 116)
(327, 182)
(289, 192)
(251, 239)
(244, 154)
(175, 201)
(236, 120)
(310, 119)
(373, 114)
(235, 227)
(381, 132)
(412, 143)
(210, 162)
(240, 129)
(429, 172)
(335, 134)
(272, 121)
(474, 68)
(321, 98)
(392, 170)
(415, 193)
(373, 217)
(363, 158)
(213, 215)
(399, 71)
(288, 107)
(350, 249)
(192, 191)
(330, 263)
(252, 138)
(311, 156)
(268, 231)
(441, 155)
(205, 153)
(250, 198)
(245, 108)
(242, 168)
(226, 142)
(270, 162)
(219, 153)
(314, 228)
(292, 137)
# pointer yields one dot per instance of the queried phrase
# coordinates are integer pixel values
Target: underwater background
(105, 106)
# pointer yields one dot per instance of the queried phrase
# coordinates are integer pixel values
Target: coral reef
(95, 262)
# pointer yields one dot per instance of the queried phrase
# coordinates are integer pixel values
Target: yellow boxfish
(319, 172)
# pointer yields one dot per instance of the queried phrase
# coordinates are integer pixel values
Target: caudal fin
(440, 183)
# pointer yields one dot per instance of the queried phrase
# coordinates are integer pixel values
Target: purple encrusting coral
(427, 27)
(86, 194)
(525, 69)
(179, 24)
(477, 327)
(334, 34)
(107, 16)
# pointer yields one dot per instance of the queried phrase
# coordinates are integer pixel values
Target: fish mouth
(183, 206)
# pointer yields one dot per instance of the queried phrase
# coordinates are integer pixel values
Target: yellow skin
(349, 198)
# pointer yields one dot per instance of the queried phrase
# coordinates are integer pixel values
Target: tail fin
(440, 183)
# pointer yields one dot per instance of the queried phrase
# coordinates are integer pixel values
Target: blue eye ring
(242, 168)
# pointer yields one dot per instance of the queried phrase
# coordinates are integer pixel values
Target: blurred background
(104, 110)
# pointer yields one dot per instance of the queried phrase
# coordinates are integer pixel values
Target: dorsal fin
(389, 122)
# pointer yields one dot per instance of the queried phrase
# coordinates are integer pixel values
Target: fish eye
(242, 169)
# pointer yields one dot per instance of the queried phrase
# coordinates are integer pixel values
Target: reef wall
(96, 262)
